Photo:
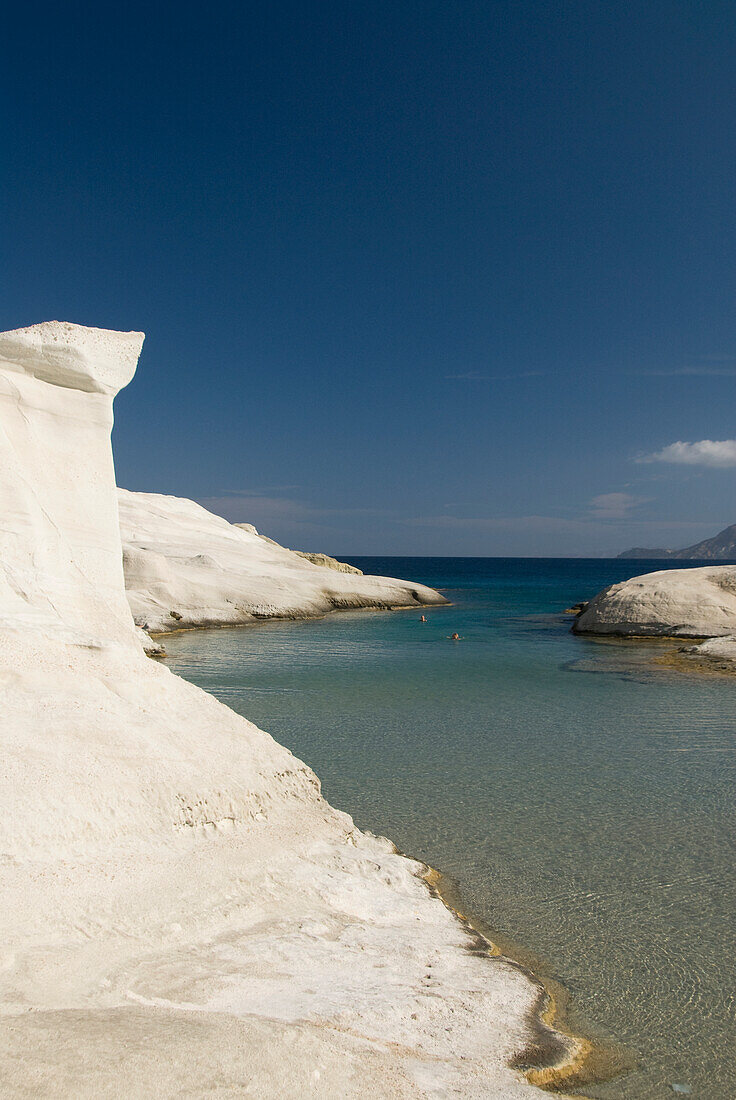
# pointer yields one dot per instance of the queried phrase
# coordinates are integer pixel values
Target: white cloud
(707, 452)
(614, 505)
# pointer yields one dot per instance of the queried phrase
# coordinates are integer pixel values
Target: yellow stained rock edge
(585, 1062)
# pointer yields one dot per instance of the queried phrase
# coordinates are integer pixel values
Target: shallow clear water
(580, 795)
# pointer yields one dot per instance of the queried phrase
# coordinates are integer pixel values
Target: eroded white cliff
(185, 566)
(182, 913)
(60, 568)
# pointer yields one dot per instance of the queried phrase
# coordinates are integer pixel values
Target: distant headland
(721, 547)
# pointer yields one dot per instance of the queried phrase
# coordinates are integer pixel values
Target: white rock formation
(183, 914)
(691, 603)
(185, 566)
(329, 563)
(316, 559)
(60, 567)
(716, 653)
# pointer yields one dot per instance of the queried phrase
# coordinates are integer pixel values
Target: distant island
(722, 547)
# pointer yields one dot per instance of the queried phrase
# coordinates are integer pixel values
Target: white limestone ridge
(329, 563)
(689, 603)
(183, 914)
(185, 566)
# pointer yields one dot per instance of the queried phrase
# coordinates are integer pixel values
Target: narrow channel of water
(579, 794)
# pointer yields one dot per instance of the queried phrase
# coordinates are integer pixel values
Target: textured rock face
(183, 914)
(693, 603)
(329, 563)
(60, 568)
(185, 566)
(720, 652)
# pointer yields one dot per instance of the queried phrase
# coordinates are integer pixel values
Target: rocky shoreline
(184, 912)
(186, 567)
(698, 605)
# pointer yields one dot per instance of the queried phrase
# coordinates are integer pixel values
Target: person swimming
(423, 619)
(454, 637)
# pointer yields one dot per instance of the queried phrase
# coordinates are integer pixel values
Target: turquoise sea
(578, 793)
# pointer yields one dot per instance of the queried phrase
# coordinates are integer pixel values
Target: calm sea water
(579, 794)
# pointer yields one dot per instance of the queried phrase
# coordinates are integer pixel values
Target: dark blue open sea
(579, 793)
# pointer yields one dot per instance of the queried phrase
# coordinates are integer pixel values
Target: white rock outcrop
(185, 566)
(60, 567)
(183, 914)
(690, 603)
(329, 563)
(715, 654)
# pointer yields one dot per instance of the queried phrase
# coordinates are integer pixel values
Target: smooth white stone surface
(181, 559)
(694, 603)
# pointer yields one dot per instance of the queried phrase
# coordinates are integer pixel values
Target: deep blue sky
(416, 277)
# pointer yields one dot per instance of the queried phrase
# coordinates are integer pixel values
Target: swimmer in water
(423, 619)
(454, 637)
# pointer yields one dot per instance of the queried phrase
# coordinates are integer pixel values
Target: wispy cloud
(479, 376)
(539, 524)
(275, 515)
(706, 452)
(702, 366)
(615, 505)
(497, 524)
(259, 492)
(703, 371)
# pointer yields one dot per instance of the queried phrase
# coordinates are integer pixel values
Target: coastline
(163, 852)
(697, 664)
(556, 1056)
(691, 657)
(186, 567)
(332, 936)
(695, 605)
(559, 1056)
(172, 873)
(306, 617)
(601, 1064)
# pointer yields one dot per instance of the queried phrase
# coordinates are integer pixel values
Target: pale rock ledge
(329, 563)
(183, 914)
(186, 567)
(716, 653)
(689, 603)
